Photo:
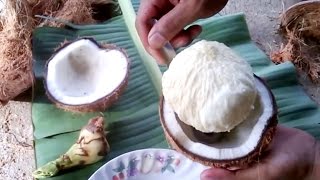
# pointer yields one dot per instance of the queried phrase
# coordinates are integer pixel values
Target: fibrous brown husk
(300, 26)
(15, 52)
(45, 7)
(74, 11)
(303, 19)
(17, 22)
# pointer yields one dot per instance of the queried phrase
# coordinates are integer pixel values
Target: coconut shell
(101, 104)
(300, 25)
(237, 163)
(302, 18)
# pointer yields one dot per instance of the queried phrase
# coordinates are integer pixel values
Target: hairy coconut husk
(300, 26)
(104, 9)
(45, 7)
(15, 52)
(77, 12)
(74, 11)
(302, 19)
(102, 1)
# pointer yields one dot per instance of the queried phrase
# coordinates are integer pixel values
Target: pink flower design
(160, 159)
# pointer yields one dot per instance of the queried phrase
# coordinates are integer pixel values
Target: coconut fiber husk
(15, 51)
(45, 7)
(300, 27)
(16, 26)
(75, 11)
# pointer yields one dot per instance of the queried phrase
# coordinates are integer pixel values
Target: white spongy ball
(210, 87)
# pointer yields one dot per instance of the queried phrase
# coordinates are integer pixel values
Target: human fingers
(285, 159)
(148, 11)
(169, 25)
(185, 37)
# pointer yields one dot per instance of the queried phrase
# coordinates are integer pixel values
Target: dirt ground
(16, 146)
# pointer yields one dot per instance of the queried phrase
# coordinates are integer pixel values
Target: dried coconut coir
(74, 11)
(45, 7)
(300, 26)
(77, 12)
(15, 52)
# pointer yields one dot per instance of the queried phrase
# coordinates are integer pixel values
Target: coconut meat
(237, 143)
(82, 73)
(210, 87)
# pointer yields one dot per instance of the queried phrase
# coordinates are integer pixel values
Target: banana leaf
(133, 122)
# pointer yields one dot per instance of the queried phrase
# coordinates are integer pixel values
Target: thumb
(169, 25)
(217, 173)
(251, 173)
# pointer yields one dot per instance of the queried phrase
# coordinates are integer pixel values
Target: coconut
(214, 109)
(74, 11)
(15, 52)
(299, 25)
(84, 76)
(45, 7)
(302, 18)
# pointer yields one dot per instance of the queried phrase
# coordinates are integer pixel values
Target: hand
(293, 154)
(173, 16)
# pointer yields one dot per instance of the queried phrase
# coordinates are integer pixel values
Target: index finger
(143, 25)
(149, 10)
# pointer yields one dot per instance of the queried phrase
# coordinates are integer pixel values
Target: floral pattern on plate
(149, 164)
(154, 164)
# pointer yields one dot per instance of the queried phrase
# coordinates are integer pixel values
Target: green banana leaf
(133, 122)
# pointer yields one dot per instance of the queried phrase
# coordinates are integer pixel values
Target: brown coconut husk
(45, 7)
(104, 9)
(75, 11)
(15, 52)
(16, 25)
(300, 26)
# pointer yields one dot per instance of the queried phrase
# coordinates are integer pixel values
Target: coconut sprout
(90, 148)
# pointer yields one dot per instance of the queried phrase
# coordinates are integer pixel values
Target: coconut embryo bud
(210, 87)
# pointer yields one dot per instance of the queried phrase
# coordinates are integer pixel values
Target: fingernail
(156, 40)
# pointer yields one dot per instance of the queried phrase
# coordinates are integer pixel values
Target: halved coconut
(235, 149)
(84, 76)
(214, 109)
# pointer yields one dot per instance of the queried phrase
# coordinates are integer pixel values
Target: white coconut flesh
(82, 73)
(237, 143)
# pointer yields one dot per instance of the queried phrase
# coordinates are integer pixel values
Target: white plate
(149, 164)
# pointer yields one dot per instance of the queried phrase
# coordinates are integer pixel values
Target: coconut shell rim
(286, 17)
(101, 103)
(265, 139)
